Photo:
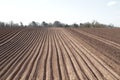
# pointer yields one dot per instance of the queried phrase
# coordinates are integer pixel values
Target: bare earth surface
(59, 54)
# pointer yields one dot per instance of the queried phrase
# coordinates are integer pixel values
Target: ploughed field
(59, 54)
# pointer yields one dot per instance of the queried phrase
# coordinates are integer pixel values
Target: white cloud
(111, 3)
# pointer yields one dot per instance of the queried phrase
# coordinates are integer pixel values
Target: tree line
(94, 24)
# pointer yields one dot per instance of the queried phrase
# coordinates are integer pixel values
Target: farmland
(59, 54)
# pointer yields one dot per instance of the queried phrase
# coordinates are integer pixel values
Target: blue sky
(67, 11)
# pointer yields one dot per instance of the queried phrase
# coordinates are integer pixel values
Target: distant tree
(44, 24)
(87, 25)
(15, 25)
(81, 25)
(58, 24)
(21, 24)
(94, 24)
(50, 25)
(11, 23)
(7, 25)
(2, 24)
(75, 25)
(110, 25)
(66, 26)
(34, 24)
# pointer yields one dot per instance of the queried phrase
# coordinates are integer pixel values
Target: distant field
(60, 54)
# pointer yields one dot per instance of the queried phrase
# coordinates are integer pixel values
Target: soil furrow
(64, 73)
(55, 61)
(57, 54)
(22, 64)
(106, 68)
(72, 73)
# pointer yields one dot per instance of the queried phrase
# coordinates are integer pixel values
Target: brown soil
(58, 54)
